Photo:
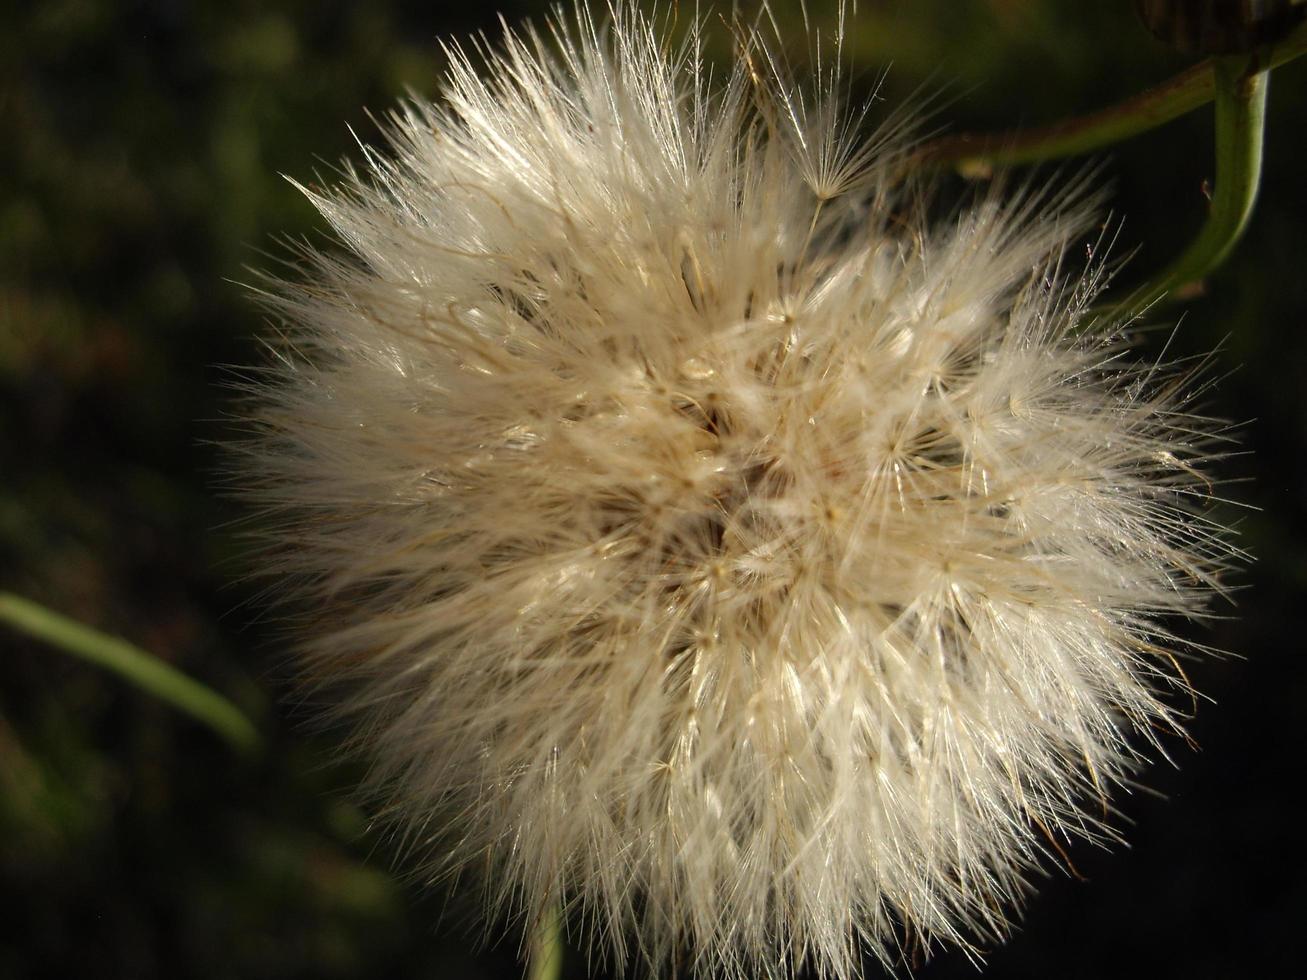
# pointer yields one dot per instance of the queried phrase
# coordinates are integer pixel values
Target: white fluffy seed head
(701, 539)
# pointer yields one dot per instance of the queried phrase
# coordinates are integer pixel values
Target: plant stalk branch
(976, 154)
(134, 664)
(546, 954)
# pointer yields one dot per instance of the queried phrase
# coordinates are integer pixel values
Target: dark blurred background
(141, 143)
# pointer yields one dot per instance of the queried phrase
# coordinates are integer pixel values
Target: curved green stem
(977, 153)
(1240, 115)
(546, 954)
(134, 664)
(1241, 86)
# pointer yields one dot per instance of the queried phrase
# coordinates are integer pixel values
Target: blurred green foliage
(139, 176)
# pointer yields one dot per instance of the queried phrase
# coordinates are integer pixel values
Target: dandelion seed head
(701, 538)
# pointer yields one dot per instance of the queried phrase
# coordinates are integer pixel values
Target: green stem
(1241, 86)
(546, 955)
(134, 664)
(977, 153)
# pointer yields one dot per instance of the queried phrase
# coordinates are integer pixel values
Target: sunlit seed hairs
(700, 539)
